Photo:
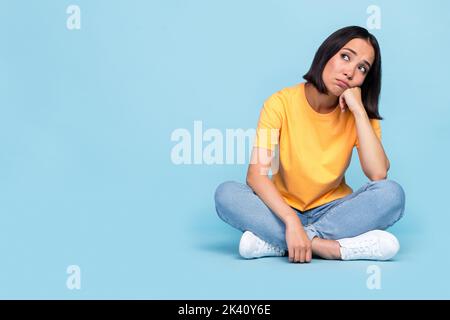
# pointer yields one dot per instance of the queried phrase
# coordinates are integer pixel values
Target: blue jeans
(376, 205)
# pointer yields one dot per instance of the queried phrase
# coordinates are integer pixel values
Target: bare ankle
(336, 250)
(327, 249)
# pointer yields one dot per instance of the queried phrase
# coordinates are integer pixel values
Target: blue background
(86, 117)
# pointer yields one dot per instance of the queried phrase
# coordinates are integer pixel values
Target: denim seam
(314, 230)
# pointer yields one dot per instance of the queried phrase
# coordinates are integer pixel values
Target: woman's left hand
(351, 99)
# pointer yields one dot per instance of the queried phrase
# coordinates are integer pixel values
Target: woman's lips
(342, 84)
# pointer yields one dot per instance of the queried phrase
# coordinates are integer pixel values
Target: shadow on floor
(229, 247)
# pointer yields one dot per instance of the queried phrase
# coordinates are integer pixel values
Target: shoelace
(366, 247)
(265, 246)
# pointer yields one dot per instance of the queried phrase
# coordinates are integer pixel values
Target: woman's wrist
(292, 220)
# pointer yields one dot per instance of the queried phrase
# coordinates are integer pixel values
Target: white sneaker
(251, 247)
(372, 245)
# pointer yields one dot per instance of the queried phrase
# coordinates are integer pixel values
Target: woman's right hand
(298, 243)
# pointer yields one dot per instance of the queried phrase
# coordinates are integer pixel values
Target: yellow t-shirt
(314, 148)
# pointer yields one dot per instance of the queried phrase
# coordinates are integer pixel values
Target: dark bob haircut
(371, 87)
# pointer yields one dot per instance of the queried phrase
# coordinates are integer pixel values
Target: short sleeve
(269, 123)
(376, 126)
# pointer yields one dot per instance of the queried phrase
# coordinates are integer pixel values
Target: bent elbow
(250, 178)
(248, 181)
(380, 176)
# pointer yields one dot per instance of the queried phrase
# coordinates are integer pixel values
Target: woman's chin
(335, 91)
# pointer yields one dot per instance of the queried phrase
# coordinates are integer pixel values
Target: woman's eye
(347, 58)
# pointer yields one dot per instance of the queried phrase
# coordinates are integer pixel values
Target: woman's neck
(322, 103)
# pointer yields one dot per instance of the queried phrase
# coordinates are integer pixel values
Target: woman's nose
(348, 75)
(349, 72)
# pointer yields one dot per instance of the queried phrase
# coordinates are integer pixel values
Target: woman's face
(350, 65)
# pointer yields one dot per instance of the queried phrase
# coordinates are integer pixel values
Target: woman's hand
(351, 99)
(298, 243)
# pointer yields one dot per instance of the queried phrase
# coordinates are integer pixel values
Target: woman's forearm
(373, 159)
(266, 190)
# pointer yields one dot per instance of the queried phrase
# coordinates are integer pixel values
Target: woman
(306, 208)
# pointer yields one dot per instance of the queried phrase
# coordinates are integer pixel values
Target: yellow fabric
(314, 149)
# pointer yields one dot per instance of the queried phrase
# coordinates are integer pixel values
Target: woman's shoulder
(285, 94)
